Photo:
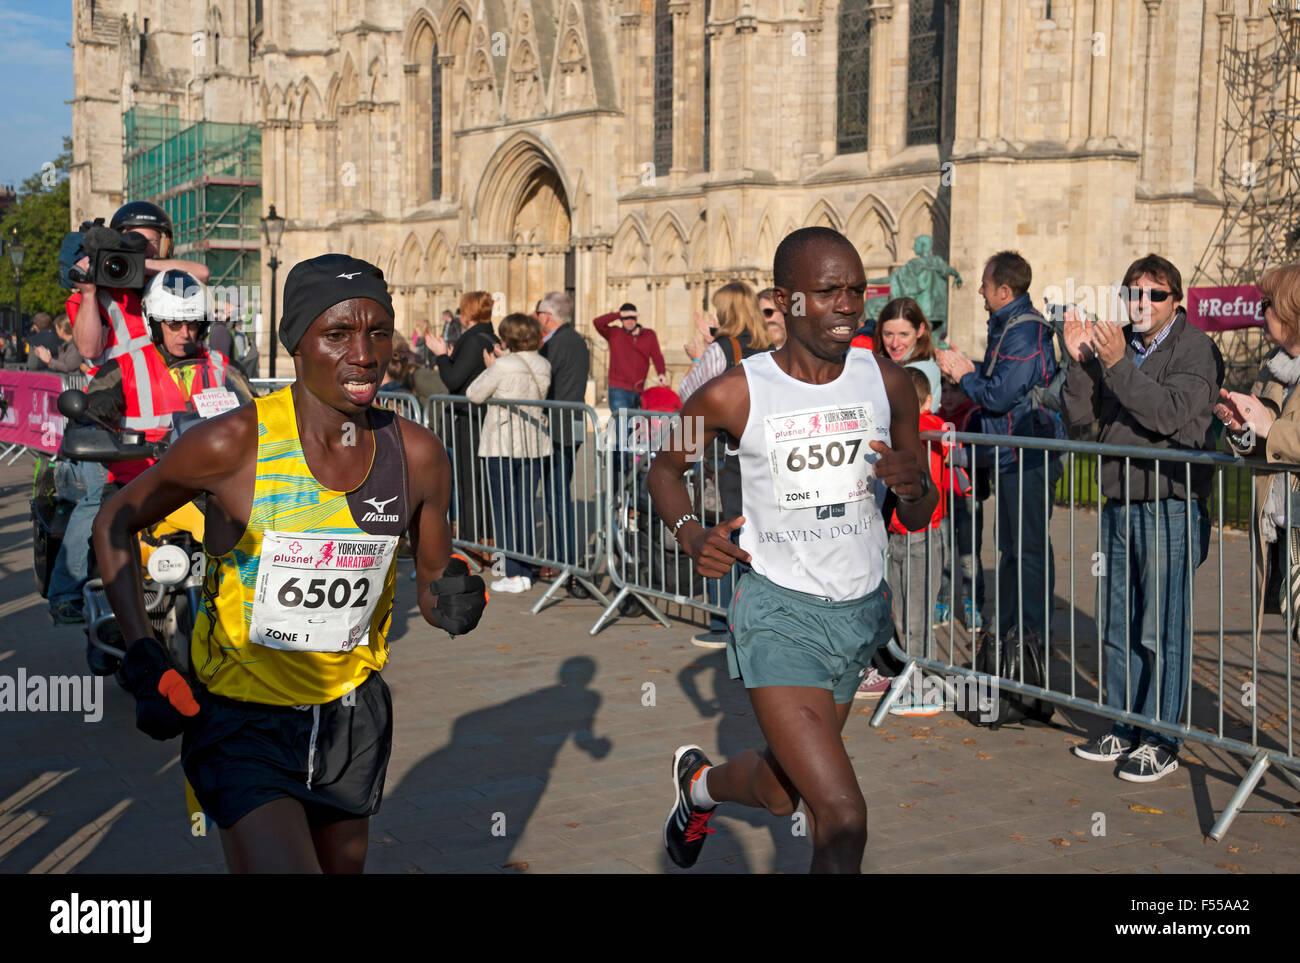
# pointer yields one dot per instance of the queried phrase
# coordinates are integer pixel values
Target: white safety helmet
(175, 295)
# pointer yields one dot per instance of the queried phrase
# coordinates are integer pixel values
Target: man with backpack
(1018, 391)
(1150, 384)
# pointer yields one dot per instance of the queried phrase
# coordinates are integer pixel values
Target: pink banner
(1224, 308)
(33, 417)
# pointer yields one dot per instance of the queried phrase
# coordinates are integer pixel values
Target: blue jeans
(72, 565)
(1026, 568)
(561, 512)
(1154, 542)
(514, 483)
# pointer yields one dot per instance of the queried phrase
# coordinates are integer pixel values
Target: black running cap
(316, 285)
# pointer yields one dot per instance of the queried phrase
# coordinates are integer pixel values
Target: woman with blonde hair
(1266, 424)
(741, 332)
(459, 366)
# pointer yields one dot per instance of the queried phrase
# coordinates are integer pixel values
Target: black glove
(164, 703)
(461, 597)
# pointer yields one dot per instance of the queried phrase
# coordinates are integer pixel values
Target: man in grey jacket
(1151, 384)
(570, 360)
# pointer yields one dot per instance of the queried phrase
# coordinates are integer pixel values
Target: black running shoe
(687, 824)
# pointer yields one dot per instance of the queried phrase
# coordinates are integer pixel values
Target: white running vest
(808, 482)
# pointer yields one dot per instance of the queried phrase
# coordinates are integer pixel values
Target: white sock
(700, 797)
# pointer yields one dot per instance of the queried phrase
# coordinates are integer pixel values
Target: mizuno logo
(350, 276)
(378, 505)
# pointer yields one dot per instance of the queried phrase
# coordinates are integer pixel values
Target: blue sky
(36, 79)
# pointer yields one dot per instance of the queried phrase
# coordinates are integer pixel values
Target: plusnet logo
(56, 693)
(75, 916)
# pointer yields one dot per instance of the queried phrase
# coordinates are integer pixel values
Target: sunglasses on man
(1153, 295)
(175, 326)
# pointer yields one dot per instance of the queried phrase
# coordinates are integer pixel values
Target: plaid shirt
(1142, 351)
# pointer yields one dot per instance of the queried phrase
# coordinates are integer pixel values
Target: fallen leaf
(1234, 849)
(517, 865)
(1278, 820)
(1060, 843)
(844, 738)
(1157, 844)
(1023, 742)
(503, 648)
(968, 741)
(1181, 812)
(1074, 800)
(981, 754)
(1019, 837)
(906, 805)
(1076, 832)
(1255, 849)
(573, 825)
(1231, 867)
(1146, 809)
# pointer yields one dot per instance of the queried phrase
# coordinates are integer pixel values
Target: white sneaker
(515, 584)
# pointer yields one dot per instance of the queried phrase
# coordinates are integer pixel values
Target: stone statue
(924, 278)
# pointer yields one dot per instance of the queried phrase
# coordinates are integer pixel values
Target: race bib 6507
(822, 456)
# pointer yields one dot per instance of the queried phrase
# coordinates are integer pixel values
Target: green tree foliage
(41, 215)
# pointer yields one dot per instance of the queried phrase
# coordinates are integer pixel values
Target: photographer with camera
(141, 390)
(105, 310)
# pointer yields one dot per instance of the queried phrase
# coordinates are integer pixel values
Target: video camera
(116, 258)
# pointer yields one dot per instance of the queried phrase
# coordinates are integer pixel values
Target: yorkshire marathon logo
(76, 916)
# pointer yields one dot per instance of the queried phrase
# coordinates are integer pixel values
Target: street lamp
(272, 230)
(16, 253)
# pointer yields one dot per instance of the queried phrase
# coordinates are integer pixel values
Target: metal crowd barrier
(404, 403)
(541, 509)
(1238, 695)
(644, 561)
(270, 384)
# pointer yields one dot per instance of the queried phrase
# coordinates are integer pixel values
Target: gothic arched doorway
(524, 226)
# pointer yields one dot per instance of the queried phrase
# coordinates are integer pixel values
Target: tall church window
(435, 125)
(663, 88)
(853, 70)
(924, 71)
(708, 80)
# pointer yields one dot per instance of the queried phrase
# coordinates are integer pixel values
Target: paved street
(535, 730)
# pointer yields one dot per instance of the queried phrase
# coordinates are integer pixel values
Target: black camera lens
(116, 267)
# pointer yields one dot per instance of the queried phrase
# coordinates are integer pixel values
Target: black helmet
(144, 214)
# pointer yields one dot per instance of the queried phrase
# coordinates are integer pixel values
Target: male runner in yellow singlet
(287, 724)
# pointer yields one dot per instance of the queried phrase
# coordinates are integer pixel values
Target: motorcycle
(170, 551)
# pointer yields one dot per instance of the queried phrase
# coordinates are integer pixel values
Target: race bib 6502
(317, 593)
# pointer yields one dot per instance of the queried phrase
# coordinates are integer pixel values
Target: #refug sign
(1224, 308)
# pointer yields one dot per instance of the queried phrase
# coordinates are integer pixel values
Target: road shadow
(473, 798)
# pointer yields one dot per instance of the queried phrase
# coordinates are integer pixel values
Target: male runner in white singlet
(817, 424)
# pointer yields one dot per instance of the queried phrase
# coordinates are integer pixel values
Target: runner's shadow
(738, 730)
(474, 797)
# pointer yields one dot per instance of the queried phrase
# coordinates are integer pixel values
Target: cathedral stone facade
(651, 150)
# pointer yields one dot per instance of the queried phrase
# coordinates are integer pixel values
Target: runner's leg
(341, 845)
(273, 838)
(805, 759)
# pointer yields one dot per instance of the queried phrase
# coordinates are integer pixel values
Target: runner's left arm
(449, 597)
(904, 465)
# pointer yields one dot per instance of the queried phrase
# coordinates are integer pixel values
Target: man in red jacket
(631, 349)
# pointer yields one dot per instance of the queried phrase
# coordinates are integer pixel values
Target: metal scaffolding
(208, 178)
(1259, 171)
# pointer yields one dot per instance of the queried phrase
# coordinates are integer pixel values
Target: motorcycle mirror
(72, 404)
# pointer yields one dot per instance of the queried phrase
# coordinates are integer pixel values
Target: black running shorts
(332, 758)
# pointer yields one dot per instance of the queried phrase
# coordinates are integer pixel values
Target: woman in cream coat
(515, 439)
(1265, 426)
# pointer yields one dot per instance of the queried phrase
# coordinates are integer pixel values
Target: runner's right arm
(722, 405)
